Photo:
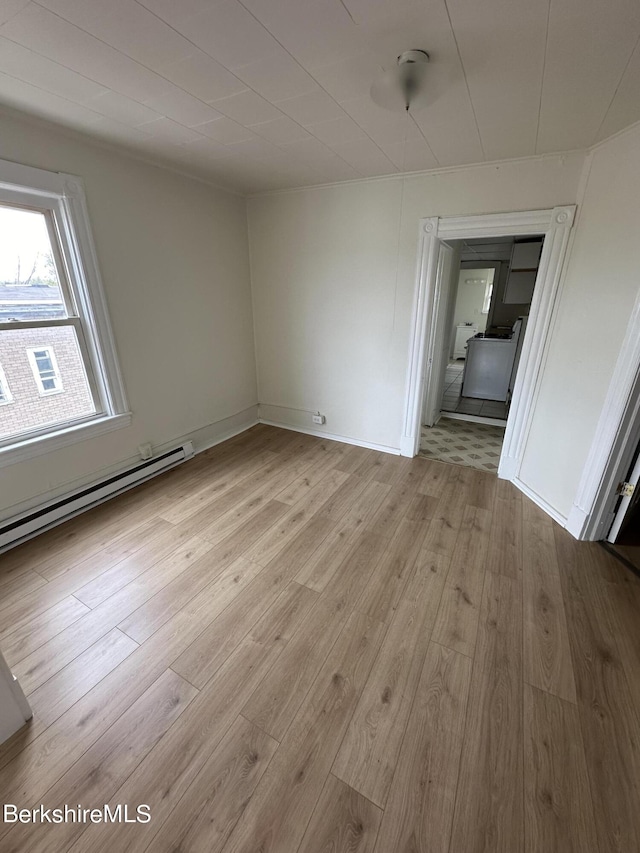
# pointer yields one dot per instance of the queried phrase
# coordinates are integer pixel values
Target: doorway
(475, 289)
(486, 286)
(432, 303)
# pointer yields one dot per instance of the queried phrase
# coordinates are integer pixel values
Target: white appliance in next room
(489, 365)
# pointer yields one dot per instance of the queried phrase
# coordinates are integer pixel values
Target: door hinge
(626, 490)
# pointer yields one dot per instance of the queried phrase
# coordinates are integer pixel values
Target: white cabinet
(463, 333)
(523, 269)
(519, 289)
(488, 368)
(526, 256)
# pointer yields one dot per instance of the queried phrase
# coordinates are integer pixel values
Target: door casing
(555, 225)
(435, 359)
(614, 443)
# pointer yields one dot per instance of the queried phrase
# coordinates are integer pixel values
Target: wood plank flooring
(291, 645)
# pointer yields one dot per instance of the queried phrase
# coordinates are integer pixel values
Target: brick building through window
(32, 394)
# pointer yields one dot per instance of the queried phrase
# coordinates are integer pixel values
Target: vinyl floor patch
(463, 443)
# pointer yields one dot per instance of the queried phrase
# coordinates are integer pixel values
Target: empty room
(319, 426)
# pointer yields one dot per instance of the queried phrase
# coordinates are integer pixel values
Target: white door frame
(555, 225)
(614, 443)
(625, 504)
(434, 389)
(14, 707)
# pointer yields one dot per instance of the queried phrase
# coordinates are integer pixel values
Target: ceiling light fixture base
(402, 88)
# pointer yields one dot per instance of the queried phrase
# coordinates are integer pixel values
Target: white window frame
(488, 294)
(37, 375)
(62, 197)
(4, 386)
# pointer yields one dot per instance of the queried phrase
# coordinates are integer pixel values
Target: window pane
(29, 283)
(29, 408)
(44, 363)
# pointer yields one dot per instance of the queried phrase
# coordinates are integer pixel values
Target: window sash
(75, 299)
(58, 260)
(82, 343)
(61, 196)
(100, 412)
(44, 431)
(62, 272)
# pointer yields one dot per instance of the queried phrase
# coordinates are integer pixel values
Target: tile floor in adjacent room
(463, 443)
(453, 401)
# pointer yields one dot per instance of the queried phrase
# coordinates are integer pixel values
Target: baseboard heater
(22, 527)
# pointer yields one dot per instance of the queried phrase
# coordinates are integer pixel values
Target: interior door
(439, 340)
(627, 502)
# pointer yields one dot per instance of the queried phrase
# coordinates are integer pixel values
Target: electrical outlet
(146, 451)
(318, 419)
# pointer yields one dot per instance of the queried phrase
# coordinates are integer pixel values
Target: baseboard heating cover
(15, 530)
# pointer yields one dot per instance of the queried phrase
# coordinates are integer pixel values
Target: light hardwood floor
(290, 644)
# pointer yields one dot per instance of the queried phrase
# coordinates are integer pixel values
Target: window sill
(32, 447)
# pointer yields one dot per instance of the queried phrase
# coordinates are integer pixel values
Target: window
(56, 344)
(45, 370)
(5, 392)
(488, 290)
(488, 293)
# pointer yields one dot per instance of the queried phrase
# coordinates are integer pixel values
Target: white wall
(599, 290)
(173, 254)
(332, 299)
(332, 305)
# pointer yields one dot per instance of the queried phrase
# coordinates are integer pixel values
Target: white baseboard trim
(577, 522)
(202, 439)
(223, 430)
(508, 468)
(383, 448)
(546, 507)
(407, 447)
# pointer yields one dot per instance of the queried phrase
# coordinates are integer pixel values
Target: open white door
(439, 339)
(630, 495)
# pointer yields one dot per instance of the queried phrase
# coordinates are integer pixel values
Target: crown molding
(119, 149)
(631, 128)
(440, 170)
(124, 150)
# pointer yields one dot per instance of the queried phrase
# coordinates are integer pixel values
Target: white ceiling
(263, 94)
(485, 249)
